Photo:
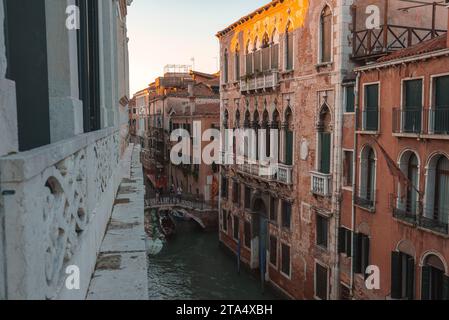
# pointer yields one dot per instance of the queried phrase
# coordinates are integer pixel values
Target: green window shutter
(341, 240)
(357, 259)
(413, 106)
(366, 253)
(289, 148)
(425, 283)
(396, 275)
(325, 163)
(410, 278)
(445, 288)
(348, 243)
(350, 99)
(372, 107)
(441, 105)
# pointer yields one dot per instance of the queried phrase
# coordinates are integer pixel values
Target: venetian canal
(192, 266)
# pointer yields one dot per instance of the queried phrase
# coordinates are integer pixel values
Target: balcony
(321, 184)
(275, 173)
(371, 44)
(365, 200)
(433, 224)
(261, 81)
(418, 121)
(370, 120)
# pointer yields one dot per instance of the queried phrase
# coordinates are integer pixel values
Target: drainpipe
(354, 174)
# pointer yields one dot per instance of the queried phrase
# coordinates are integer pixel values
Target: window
(286, 214)
(274, 210)
(285, 265)
(247, 198)
(322, 230)
(434, 282)
(275, 51)
(402, 276)
(289, 48)
(273, 250)
(321, 282)
(326, 35)
(224, 187)
(224, 221)
(236, 228)
(349, 99)
(236, 193)
(436, 213)
(411, 201)
(27, 65)
(289, 138)
(249, 59)
(247, 232)
(371, 109)
(368, 179)
(412, 107)
(440, 110)
(345, 241)
(226, 66)
(348, 168)
(361, 253)
(237, 63)
(324, 140)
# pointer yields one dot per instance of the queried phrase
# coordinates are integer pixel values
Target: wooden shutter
(289, 148)
(396, 275)
(342, 240)
(445, 288)
(350, 99)
(372, 107)
(410, 278)
(325, 155)
(357, 259)
(441, 105)
(366, 253)
(290, 51)
(413, 106)
(425, 283)
(349, 243)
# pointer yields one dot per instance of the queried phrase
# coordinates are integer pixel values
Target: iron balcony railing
(433, 121)
(365, 198)
(404, 209)
(370, 120)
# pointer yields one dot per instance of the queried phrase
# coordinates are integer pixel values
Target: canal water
(191, 266)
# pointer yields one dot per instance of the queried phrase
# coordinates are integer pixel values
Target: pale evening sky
(173, 31)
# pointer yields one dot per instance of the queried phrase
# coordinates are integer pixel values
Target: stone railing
(263, 81)
(280, 172)
(57, 203)
(321, 184)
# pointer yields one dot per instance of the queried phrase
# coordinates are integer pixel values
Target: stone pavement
(121, 271)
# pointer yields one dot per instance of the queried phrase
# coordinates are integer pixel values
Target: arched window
(324, 141)
(266, 127)
(408, 198)
(434, 282)
(288, 137)
(368, 179)
(326, 35)
(257, 55)
(237, 62)
(265, 52)
(437, 200)
(288, 47)
(276, 125)
(226, 66)
(249, 59)
(275, 50)
(256, 126)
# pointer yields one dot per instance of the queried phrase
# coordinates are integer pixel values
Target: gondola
(167, 225)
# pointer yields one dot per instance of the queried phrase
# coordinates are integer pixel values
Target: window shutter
(348, 243)
(341, 240)
(366, 253)
(356, 261)
(325, 153)
(425, 283)
(396, 275)
(289, 148)
(445, 288)
(410, 278)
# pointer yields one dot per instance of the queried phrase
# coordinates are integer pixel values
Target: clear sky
(173, 31)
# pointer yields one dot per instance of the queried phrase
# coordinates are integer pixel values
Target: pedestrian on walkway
(179, 194)
(172, 192)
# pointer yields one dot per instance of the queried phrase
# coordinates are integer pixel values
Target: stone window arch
(324, 140)
(326, 35)
(408, 197)
(368, 163)
(434, 281)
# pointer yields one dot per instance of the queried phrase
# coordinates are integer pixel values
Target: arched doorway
(259, 241)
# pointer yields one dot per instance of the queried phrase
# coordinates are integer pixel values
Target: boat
(181, 215)
(166, 223)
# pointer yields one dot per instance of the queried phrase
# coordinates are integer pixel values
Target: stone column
(66, 109)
